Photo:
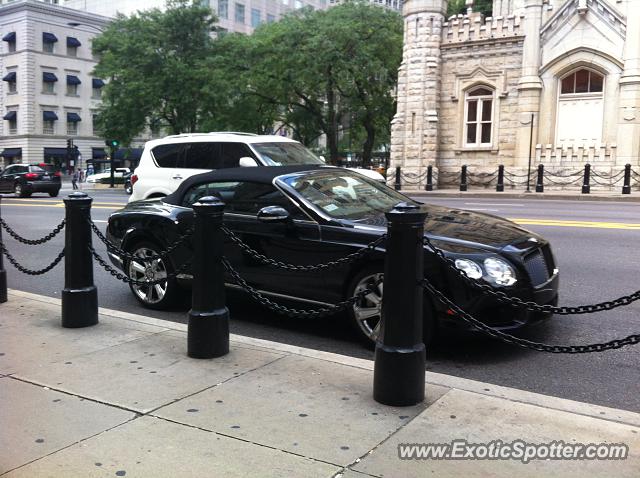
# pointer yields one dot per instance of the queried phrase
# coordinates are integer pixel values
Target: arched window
(580, 107)
(478, 124)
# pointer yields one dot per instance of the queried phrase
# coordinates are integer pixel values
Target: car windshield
(343, 195)
(285, 154)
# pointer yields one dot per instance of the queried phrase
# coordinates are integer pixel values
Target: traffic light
(69, 144)
(112, 143)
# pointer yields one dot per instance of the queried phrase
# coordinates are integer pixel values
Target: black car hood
(465, 227)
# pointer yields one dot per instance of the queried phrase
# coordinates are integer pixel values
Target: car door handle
(177, 176)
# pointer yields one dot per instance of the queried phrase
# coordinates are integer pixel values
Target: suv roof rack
(240, 133)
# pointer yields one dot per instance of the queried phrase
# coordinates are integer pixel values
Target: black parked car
(26, 179)
(323, 214)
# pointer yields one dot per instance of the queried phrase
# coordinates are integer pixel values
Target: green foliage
(314, 71)
(457, 7)
(155, 66)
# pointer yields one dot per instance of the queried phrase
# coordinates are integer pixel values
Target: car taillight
(57, 174)
(134, 179)
(31, 176)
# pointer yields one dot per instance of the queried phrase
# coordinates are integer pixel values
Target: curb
(536, 196)
(433, 378)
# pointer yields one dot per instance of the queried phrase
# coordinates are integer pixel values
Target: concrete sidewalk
(123, 399)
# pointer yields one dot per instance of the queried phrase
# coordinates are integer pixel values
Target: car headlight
(469, 267)
(499, 271)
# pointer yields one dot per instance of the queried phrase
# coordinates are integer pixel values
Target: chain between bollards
(80, 295)
(208, 326)
(3, 272)
(400, 357)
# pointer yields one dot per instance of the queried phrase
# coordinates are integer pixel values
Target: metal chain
(289, 312)
(633, 339)
(31, 272)
(122, 253)
(529, 305)
(32, 242)
(293, 267)
(125, 278)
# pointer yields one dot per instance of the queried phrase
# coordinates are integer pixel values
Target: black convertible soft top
(258, 174)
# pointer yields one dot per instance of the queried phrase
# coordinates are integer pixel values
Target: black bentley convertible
(320, 214)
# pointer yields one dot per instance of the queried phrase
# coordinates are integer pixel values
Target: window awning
(55, 152)
(49, 116)
(10, 77)
(98, 153)
(73, 42)
(73, 80)
(131, 154)
(11, 115)
(12, 152)
(73, 117)
(97, 83)
(49, 77)
(9, 37)
(49, 38)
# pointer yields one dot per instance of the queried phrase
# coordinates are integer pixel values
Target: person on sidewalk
(74, 179)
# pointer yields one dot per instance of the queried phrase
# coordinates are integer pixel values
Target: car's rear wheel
(155, 296)
(54, 194)
(366, 313)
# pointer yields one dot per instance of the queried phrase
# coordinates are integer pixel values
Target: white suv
(166, 162)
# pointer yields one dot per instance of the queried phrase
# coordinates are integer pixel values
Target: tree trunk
(367, 147)
(332, 123)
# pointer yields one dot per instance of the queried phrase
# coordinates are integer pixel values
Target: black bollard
(400, 357)
(586, 188)
(463, 178)
(208, 326)
(626, 186)
(3, 272)
(540, 180)
(80, 295)
(500, 185)
(429, 185)
(397, 186)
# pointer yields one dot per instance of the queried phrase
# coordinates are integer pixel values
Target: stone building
(557, 81)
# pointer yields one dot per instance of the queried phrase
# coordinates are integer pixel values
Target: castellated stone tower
(415, 129)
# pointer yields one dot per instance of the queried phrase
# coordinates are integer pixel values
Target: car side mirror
(247, 162)
(273, 214)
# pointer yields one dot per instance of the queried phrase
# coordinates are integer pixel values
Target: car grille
(539, 265)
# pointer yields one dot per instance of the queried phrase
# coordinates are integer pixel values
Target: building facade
(554, 81)
(48, 92)
(241, 16)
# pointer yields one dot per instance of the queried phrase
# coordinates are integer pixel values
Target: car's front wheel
(128, 188)
(366, 312)
(19, 191)
(157, 295)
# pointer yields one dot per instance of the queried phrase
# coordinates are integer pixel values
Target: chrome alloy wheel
(368, 310)
(148, 270)
(17, 190)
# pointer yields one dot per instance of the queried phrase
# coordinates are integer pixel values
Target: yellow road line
(579, 224)
(58, 205)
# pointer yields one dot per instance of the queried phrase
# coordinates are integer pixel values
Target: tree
(154, 62)
(459, 7)
(313, 70)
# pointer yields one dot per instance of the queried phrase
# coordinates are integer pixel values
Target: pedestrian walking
(74, 179)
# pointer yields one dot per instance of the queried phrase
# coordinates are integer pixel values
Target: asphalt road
(597, 256)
